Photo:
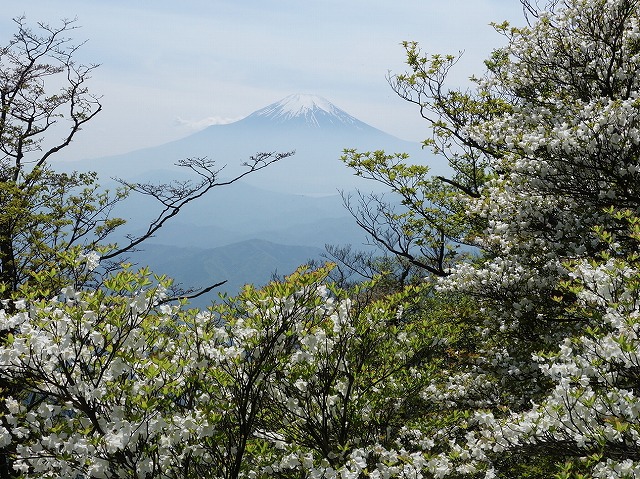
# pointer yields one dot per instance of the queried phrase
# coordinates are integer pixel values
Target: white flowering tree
(291, 380)
(566, 169)
(116, 383)
(355, 381)
(547, 169)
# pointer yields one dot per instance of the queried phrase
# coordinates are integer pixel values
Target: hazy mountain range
(275, 219)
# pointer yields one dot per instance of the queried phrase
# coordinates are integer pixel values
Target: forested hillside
(497, 338)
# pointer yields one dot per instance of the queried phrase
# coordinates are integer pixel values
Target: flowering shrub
(116, 383)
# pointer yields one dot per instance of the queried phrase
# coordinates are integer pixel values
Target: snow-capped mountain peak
(299, 104)
(312, 109)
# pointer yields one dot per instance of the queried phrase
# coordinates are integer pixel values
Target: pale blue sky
(170, 66)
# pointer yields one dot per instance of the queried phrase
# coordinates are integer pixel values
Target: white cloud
(205, 122)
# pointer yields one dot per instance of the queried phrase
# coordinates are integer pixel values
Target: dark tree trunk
(8, 272)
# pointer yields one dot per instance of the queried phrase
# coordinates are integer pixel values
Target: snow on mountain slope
(315, 111)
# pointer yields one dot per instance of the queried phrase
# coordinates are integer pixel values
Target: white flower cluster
(123, 385)
(558, 285)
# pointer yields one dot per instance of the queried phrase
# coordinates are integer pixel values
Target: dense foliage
(545, 154)
(293, 375)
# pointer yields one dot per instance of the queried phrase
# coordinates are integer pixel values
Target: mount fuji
(313, 127)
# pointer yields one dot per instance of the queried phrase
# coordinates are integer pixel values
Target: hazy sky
(169, 67)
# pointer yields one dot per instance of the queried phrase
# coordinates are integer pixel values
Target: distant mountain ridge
(251, 261)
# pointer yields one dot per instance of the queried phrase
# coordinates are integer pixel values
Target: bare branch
(176, 195)
(27, 109)
(389, 230)
(191, 293)
(532, 10)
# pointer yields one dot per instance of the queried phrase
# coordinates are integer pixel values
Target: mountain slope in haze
(314, 128)
(252, 261)
(240, 212)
